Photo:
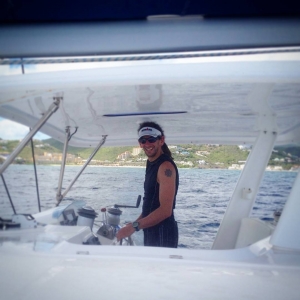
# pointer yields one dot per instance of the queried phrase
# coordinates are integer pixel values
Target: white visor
(149, 131)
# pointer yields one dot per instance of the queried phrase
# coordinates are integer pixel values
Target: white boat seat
(253, 230)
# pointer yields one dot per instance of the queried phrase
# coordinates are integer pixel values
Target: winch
(86, 216)
(114, 214)
(111, 221)
(110, 225)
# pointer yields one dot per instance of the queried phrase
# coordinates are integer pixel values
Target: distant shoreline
(141, 167)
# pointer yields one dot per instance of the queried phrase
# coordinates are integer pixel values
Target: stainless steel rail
(63, 164)
(59, 199)
(52, 109)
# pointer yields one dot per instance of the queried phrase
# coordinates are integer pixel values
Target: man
(160, 189)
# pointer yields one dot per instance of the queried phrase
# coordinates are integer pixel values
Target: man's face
(152, 150)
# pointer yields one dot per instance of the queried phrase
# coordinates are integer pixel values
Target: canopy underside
(215, 100)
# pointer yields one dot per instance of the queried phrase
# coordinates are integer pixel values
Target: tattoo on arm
(168, 173)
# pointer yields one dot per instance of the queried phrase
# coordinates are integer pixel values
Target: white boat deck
(51, 271)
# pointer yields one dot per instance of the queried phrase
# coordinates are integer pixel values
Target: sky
(13, 131)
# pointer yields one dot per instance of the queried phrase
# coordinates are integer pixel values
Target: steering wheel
(128, 240)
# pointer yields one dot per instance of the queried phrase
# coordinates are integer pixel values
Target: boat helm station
(76, 214)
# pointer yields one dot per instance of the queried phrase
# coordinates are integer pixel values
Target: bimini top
(224, 100)
(206, 96)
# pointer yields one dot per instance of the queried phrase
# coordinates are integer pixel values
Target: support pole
(244, 195)
(52, 109)
(63, 165)
(35, 174)
(82, 169)
(286, 234)
(11, 203)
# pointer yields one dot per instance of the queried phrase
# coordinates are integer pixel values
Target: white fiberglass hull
(149, 273)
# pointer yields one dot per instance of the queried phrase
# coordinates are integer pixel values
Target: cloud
(13, 131)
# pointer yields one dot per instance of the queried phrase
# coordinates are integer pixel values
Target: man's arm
(166, 177)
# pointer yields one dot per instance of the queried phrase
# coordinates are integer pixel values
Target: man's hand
(125, 231)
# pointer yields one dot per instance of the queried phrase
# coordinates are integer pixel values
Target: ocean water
(201, 201)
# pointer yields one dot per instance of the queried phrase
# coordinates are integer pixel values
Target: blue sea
(201, 201)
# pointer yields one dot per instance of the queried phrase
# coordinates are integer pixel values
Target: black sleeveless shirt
(151, 186)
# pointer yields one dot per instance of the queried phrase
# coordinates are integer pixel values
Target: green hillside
(204, 156)
(105, 153)
(215, 156)
(26, 153)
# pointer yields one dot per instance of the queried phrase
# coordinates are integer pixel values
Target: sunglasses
(151, 139)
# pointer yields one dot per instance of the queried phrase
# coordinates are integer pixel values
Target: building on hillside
(136, 151)
(278, 159)
(274, 168)
(245, 147)
(124, 155)
(70, 158)
(184, 153)
(236, 167)
(4, 156)
(78, 160)
(202, 153)
(57, 157)
(184, 163)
